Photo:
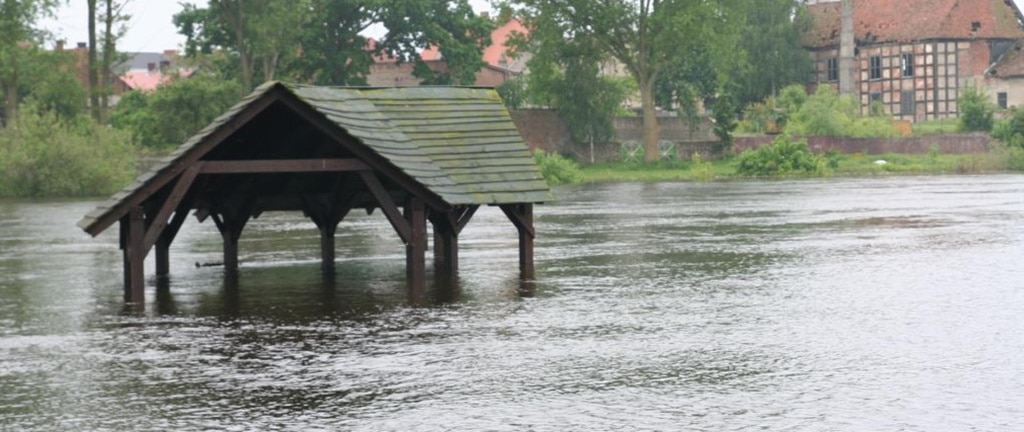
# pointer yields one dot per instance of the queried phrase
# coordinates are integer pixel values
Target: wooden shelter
(418, 154)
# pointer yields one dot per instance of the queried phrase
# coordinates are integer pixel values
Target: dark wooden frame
(151, 215)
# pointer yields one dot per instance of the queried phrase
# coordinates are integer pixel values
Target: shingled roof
(877, 21)
(458, 143)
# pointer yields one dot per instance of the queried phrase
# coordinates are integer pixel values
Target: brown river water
(880, 304)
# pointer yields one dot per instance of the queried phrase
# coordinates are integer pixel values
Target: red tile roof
(913, 20)
(150, 80)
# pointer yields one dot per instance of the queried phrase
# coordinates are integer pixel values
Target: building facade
(913, 58)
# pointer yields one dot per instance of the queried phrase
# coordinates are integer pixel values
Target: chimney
(60, 45)
(171, 53)
(151, 66)
(847, 47)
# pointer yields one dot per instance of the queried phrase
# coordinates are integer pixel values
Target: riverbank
(838, 165)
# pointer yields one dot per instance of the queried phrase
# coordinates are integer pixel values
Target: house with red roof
(915, 57)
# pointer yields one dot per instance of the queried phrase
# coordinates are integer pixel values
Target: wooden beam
(387, 205)
(283, 166)
(159, 221)
(464, 218)
(209, 142)
(515, 214)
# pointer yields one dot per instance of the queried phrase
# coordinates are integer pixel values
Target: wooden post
(327, 253)
(521, 216)
(526, 235)
(446, 249)
(230, 227)
(327, 215)
(416, 248)
(135, 256)
(166, 237)
(163, 257)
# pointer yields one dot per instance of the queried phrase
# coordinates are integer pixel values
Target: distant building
(500, 64)
(145, 71)
(914, 57)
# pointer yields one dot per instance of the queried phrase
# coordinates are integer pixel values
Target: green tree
(19, 40)
(452, 26)
(771, 43)
(262, 33)
(567, 77)
(50, 82)
(645, 37)
(175, 111)
(977, 113)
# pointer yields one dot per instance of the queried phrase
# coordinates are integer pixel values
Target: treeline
(65, 137)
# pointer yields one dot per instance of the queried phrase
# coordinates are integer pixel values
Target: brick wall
(543, 129)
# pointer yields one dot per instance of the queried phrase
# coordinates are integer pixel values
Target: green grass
(854, 165)
(937, 126)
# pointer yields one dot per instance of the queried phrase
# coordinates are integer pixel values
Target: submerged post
(135, 256)
(416, 248)
(521, 216)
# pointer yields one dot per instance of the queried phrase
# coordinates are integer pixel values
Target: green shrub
(976, 110)
(1011, 129)
(556, 168)
(826, 113)
(782, 157)
(45, 156)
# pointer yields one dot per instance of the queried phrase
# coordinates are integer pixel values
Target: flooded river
(840, 305)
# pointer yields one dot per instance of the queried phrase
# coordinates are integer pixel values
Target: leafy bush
(174, 112)
(47, 156)
(1011, 129)
(976, 110)
(827, 113)
(782, 157)
(556, 168)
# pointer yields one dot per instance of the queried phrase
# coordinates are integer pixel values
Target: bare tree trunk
(235, 17)
(270, 66)
(11, 102)
(94, 90)
(108, 60)
(650, 116)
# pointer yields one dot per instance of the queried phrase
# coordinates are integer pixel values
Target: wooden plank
(387, 205)
(159, 221)
(283, 166)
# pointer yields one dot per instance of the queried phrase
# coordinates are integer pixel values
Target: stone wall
(543, 129)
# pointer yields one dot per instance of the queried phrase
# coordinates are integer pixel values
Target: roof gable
(914, 20)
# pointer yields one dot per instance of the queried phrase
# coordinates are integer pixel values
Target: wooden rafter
(387, 205)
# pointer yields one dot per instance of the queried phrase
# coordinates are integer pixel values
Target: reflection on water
(866, 304)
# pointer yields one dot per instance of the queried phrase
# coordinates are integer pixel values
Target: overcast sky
(150, 28)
